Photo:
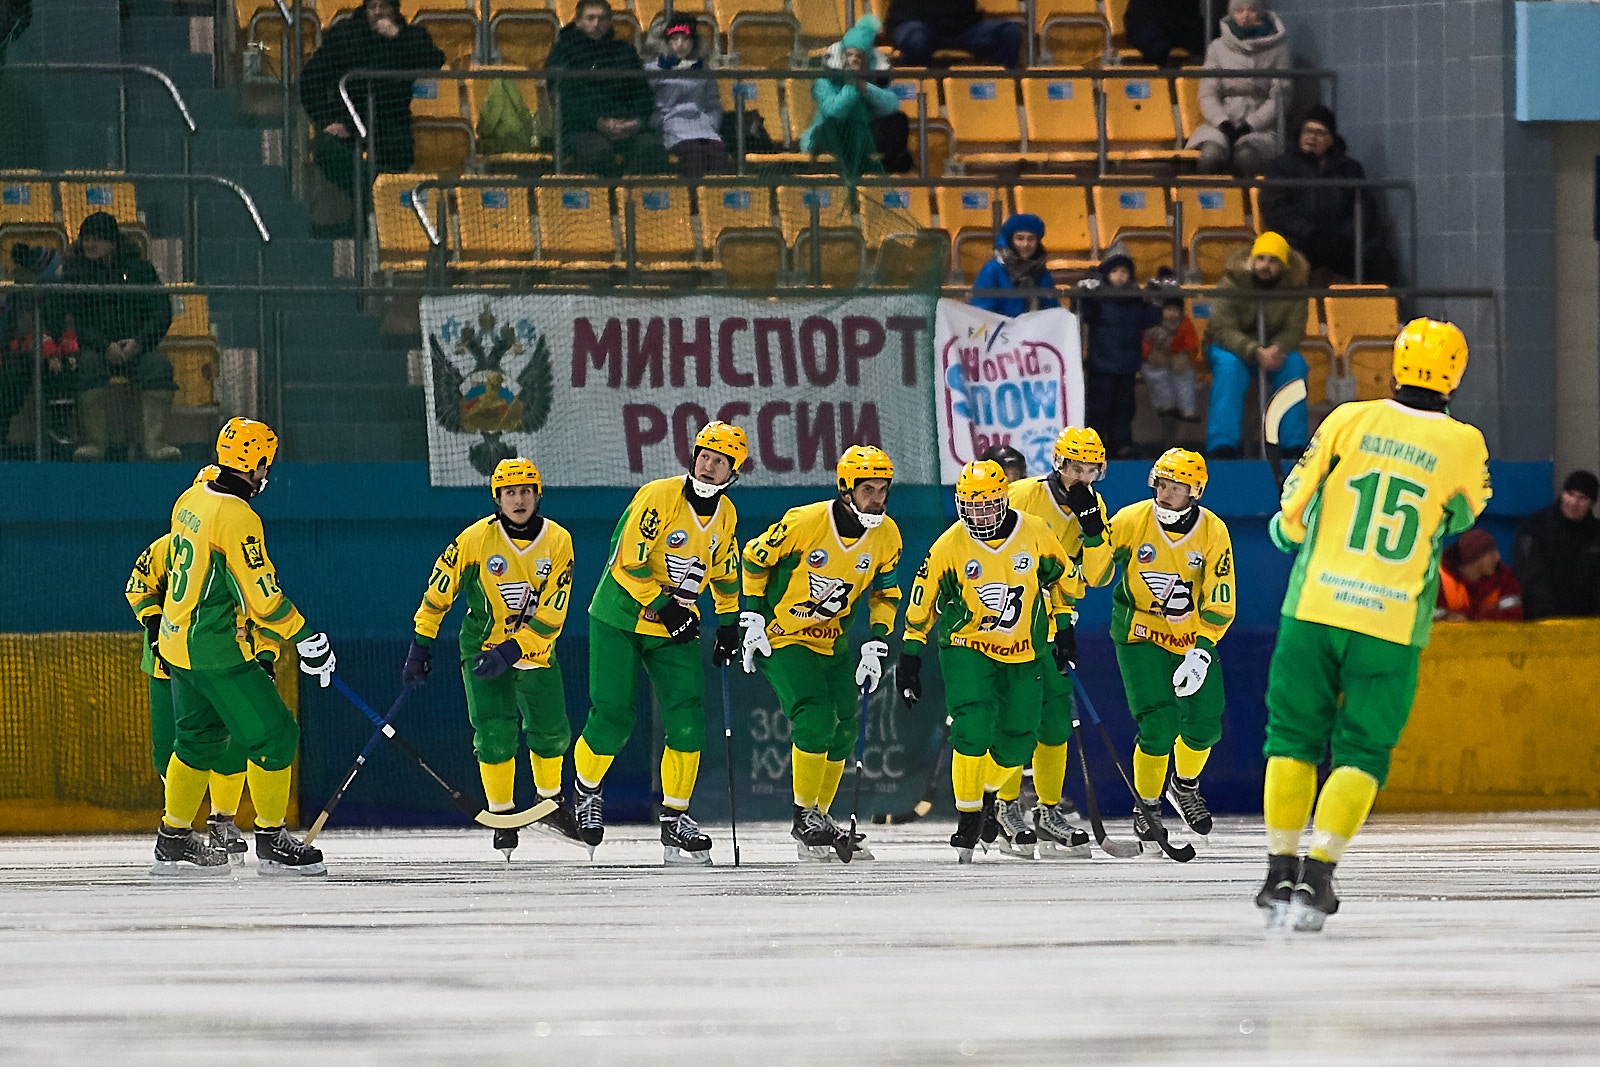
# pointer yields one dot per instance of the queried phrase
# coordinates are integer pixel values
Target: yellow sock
(809, 769)
(1345, 802)
(678, 772)
(270, 791)
(499, 784)
(994, 775)
(226, 789)
(1149, 773)
(1049, 772)
(1188, 762)
(1286, 802)
(832, 775)
(966, 777)
(1010, 787)
(186, 787)
(546, 774)
(591, 767)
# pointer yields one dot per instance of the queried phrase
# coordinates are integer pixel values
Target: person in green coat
(848, 104)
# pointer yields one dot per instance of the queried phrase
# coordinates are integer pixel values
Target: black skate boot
(183, 852)
(1184, 794)
(816, 841)
(965, 839)
(562, 825)
(1057, 836)
(1017, 837)
(1282, 874)
(1148, 833)
(682, 843)
(227, 836)
(1314, 897)
(278, 852)
(506, 840)
(991, 826)
(857, 848)
(589, 809)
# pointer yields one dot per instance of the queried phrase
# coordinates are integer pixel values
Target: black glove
(152, 637)
(493, 662)
(727, 647)
(1066, 649)
(681, 623)
(268, 664)
(910, 675)
(419, 661)
(1234, 130)
(1085, 505)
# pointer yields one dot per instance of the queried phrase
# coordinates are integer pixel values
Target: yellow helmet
(1183, 466)
(726, 438)
(1430, 354)
(1078, 445)
(244, 443)
(514, 471)
(208, 473)
(860, 462)
(981, 498)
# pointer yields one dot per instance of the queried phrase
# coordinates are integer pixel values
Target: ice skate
(1314, 897)
(562, 825)
(182, 852)
(227, 836)
(682, 843)
(589, 811)
(1282, 874)
(1017, 837)
(858, 848)
(1057, 837)
(816, 840)
(278, 852)
(506, 840)
(965, 839)
(991, 825)
(1184, 795)
(1148, 833)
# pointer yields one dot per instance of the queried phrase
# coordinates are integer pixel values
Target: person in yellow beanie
(1250, 328)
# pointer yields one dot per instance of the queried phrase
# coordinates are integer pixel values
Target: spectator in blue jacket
(1116, 325)
(1018, 263)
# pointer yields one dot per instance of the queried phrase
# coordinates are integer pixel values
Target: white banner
(1004, 381)
(611, 391)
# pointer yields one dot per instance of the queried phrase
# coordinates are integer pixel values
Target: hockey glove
(910, 675)
(1085, 505)
(1191, 673)
(681, 623)
(869, 672)
(755, 638)
(419, 661)
(1066, 649)
(268, 664)
(316, 657)
(726, 649)
(493, 662)
(152, 637)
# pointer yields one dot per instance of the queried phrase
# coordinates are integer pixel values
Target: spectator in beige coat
(1241, 128)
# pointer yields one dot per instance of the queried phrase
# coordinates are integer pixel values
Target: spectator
(1171, 354)
(1156, 27)
(890, 128)
(1241, 128)
(377, 39)
(605, 124)
(1557, 553)
(119, 334)
(1116, 326)
(1250, 328)
(19, 319)
(1321, 223)
(920, 27)
(1018, 263)
(688, 110)
(1474, 585)
(1014, 463)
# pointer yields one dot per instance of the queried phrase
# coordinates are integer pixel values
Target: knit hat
(1116, 256)
(863, 35)
(1019, 224)
(1323, 116)
(1582, 482)
(1271, 244)
(1473, 546)
(679, 24)
(101, 225)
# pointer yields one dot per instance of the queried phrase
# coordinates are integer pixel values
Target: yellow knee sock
(832, 775)
(994, 775)
(1345, 802)
(226, 789)
(499, 784)
(270, 791)
(1049, 772)
(966, 777)
(186, 787)
(809, 770)
(1149, 773)
(1010, 787)
(1188, 762)
(590, 766)
(678, 772)
(1286, 802)
(546, 774)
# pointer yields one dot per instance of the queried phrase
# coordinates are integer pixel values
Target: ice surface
(1463, 939)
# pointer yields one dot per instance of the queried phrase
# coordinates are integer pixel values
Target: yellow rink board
(75, 734)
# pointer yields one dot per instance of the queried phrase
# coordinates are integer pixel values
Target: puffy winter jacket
(351, 44)
(687, 109)
(1233, 317)
(1253, 100)
(102, 318)
(585, 103)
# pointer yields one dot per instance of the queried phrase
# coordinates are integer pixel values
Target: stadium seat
(27, 216)
(1062, 126)
(795, 202)
(1065, 211)
(438, 98)
(1362, 330)
(1071, 33)
(443, 145)
(913, 260)
(453, 26)
(821, 21)
(890, 210)
(968, 215)
(100, 191)
(906, 89)
(191, 316)
(1139, 123)
(194, 368)
(983, 115)
(263, 25)
(761, 34)
(1214, 227)
(1187, 93)
(495, 228)
(1137, 217)
(402, 243)
(736, 225)
(1319, 356)
(663, 233)
(575, 226)
(759, 95)
(522, 37)
(841, 256)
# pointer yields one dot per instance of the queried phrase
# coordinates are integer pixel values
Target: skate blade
(673, 856)
(963, 855)
(1057, 850)
(506, 852)
(180, 869)
(1304, 920)
(1020, 852)
(862, 852)
(276, 869)
(552, 832)
(236, 859)
(815, 853)
(1276, 914)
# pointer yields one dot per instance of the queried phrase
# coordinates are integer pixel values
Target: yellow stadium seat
(191, 316)
(84, 196)
(1214, 227)
(1139, 126)
(913, 260)
(1116, 11)
(1321, 362)
(436, 98)
(736, 225)
(820, 20)
(795, 202)
(886, 210)
(906, 90)
(983, 114)
(1062, 125)
(763, 39)
(402, 242)
(1362, 330)
(1065, 211)
(840, 258)
(727, 10)
(263, 25)
(1072, 33)
(575, 226)
(523, 37)
(27, 216)
(663, 233)
(194, 368)
(968, 215)
(759, 95)
(495, 226)
(1137, 217)
(799, 105)
(1190, 117)
(453, 26)
(443, 145)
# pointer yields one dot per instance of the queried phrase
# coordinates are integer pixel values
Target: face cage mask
(973, 513)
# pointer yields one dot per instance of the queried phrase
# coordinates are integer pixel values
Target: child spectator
(1474, 585)
(1116, 324)
(688, 110)
(1018, 263)
(1171, 354)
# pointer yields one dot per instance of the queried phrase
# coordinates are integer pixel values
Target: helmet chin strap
(707, 490)
(1169, 517)
(867, 519)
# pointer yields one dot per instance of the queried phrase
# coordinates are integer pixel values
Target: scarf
(1023, 273)
(1264, 28)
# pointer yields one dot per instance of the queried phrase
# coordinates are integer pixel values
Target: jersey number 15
(1388, 503)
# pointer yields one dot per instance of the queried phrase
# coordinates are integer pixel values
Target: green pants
(1331, 690)
(494, 704)
(818, 693)
(676, 674)
(1055, 725)
(1162, 715)
(238, 702)
(994, 706)
(163, 729)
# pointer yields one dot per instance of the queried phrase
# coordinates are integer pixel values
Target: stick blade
(513, 820)
(1293, 392)
(1121, 850)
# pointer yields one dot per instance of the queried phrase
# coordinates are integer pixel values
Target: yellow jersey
(654, 546)
(1176, 591)
(807, 580)
(219, 581)
(1033, 495)
(1377, 490)
(147, 588)
(516, 590)
(989, 596)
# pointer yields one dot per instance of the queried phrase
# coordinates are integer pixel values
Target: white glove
(754, 639)
(316, 657)
(1191, 673)
(871, 666)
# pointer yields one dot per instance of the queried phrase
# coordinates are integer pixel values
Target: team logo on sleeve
(1021, 562)
(972, 569)
(1197, 562)
(677, 539)
(1147, 552)
(818, 557)
(1225, 564)
(828, 597)
(451, 554)
(650, 524)
(255, 557)
(1005, 601)
(863, 561)
(496, 564)
(1174, 597)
